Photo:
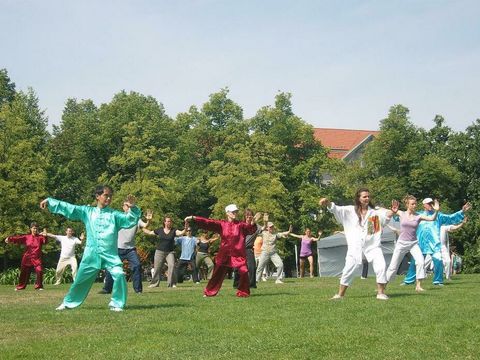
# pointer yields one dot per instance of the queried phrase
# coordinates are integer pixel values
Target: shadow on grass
(155, 306)
(405, 295)
(273, 294)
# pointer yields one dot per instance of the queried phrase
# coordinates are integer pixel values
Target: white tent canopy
(332, 250)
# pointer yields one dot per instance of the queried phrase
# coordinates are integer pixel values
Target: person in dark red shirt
(32, 258)
(232, 248)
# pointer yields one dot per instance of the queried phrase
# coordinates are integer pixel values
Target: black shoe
(103, 291)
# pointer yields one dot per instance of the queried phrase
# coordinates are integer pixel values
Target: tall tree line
(208, 157)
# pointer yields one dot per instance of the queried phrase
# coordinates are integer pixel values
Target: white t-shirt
(68, 245)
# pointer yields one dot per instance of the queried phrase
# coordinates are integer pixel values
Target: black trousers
(180, 270)
(252, 269)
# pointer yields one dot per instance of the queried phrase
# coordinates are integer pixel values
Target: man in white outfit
(67, 254)
(444, 239)
(362, 225)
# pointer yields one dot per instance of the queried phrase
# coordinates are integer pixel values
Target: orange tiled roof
(341, 141)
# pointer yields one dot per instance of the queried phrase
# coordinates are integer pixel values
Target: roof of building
(342, 141)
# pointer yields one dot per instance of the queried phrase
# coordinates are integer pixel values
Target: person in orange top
(32, 258)
(257, 250)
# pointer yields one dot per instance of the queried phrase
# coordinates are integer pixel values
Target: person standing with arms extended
(67, 254)
(269, 249)
(203, 256)
(128, 251)
(362, 224)
(32, 257)
(232, 248)
(306, 252)
(444, 239)
(102, 224)
(407, 240)
(165, 252)
(250, 256)
(428, 235)
(188, 244)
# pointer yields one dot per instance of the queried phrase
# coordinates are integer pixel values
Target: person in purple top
(407, 240)
(306, 250)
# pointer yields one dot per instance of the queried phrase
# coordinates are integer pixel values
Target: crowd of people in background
(246, 246)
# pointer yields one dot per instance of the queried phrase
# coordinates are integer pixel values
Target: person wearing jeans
(128, 251)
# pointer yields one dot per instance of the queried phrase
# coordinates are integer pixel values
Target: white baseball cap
(269, 224)
(231, 208)
(427, 201)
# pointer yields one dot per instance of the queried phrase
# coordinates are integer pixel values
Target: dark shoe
(103, 291)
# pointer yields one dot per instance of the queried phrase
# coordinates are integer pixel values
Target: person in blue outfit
(428, 234)
(102, 224)
(188, 244)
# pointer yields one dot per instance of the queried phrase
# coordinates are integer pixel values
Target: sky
(345, 62)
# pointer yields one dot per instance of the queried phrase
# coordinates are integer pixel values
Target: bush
(11, 276)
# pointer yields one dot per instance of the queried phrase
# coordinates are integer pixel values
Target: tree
(23, 137)
(399, 146)
(7, 88)
(75, 152)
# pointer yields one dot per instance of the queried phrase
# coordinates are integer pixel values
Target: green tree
(23, 137)
(7, 88)
(398, 148)
(75, 152)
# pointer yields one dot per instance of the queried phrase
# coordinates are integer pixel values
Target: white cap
(427, 201)
(231, 208)
(269, 224)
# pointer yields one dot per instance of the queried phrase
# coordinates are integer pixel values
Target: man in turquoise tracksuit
(102, 225)
(428, 234)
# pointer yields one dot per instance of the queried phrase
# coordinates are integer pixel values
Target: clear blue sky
(345, 62)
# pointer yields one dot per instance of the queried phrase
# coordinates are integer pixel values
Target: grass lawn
(295, 320)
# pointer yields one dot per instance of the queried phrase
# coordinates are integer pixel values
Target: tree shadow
(272, 294)
(155, 306)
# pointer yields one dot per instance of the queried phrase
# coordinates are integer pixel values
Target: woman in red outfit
(232, 248)
(32, 258)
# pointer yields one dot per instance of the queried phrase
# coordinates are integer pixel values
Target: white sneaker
(152, 285)
(57, 283)
(114, 308)
(278, 281)
(174, 286)
(336, 297)
(61, 307)
(264, 279)
(382, 297)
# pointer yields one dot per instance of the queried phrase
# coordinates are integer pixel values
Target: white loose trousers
(373, 255)
(363, 236)
(61, 266)
(402, 247)
(447, 262)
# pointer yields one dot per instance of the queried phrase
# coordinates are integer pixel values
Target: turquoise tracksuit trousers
(101, 251)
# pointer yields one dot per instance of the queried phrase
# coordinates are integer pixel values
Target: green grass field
(295, 320)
